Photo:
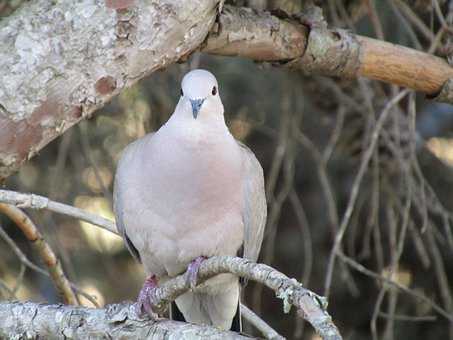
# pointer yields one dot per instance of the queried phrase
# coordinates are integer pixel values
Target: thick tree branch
(319, 50)
(60, 61)
(27, 320)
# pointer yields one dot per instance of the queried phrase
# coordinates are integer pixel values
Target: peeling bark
(27, 320)
(60, 61)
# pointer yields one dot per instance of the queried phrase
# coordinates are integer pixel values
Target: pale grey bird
(188, 192)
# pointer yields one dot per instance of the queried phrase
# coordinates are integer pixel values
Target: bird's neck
(205, 130)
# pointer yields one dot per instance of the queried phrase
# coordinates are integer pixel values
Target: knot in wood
(332, 52)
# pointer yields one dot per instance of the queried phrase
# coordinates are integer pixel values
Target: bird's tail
(221, 309)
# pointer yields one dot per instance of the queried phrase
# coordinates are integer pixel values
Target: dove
(188, 192)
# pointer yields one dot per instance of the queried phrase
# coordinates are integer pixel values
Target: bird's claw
(192, 271)
(144, 304)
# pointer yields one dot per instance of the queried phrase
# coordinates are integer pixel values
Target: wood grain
(402, 66)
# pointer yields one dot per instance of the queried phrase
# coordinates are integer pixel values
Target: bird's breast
(195, 182)
(186, 201)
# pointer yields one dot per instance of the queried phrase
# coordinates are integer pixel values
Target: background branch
(45, 252)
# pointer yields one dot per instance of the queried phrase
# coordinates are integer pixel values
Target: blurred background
(311, 135)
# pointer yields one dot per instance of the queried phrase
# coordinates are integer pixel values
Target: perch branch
(310, 306)
(30, 231)
(29, 320)
(32, 201)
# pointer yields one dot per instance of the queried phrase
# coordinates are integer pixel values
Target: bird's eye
(214, 91)
(182, 93)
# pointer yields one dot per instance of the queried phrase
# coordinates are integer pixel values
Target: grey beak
(196, 106)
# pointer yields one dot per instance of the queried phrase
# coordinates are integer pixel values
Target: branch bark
(60, 61)
(309, 305)
(25, 224)
(27, 320)
(32, 201)
(289, 42)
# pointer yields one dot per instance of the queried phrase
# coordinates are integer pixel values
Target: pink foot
(146, 297)
(192, 271)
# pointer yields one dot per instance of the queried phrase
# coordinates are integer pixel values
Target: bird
(185, 193)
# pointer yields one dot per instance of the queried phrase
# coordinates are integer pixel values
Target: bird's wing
(255, 207)
(120, 186)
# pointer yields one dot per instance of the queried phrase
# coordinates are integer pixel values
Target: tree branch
(29, 320)
(334, 52)
(62, 60)
(45, 252)
(310, 306)
(259, 323)
(38, 202)
(49, 82)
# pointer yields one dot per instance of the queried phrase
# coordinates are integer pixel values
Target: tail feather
(221, 309)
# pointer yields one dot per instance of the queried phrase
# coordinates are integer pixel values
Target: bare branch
(292, 292)
(332, 52)
(45, 252)
(262, 326)
(40, 321)
(26, 263)
(309, 305)
(356, 186)
(357, 266)
(33, 201)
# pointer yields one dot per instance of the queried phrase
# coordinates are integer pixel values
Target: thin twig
(399, 317)
(33, 201)
(356, 185)
(259, 323)
(29, 264)
(360, 268)
(30, 231)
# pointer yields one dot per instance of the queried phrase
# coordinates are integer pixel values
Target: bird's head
(200, 94)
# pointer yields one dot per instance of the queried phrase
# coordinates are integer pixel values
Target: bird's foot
(192, 270)
(144, 304)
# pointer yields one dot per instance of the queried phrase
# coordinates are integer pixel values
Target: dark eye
(214, 91)
(182, 93)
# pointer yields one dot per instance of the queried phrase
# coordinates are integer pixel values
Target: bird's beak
(196, 106)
